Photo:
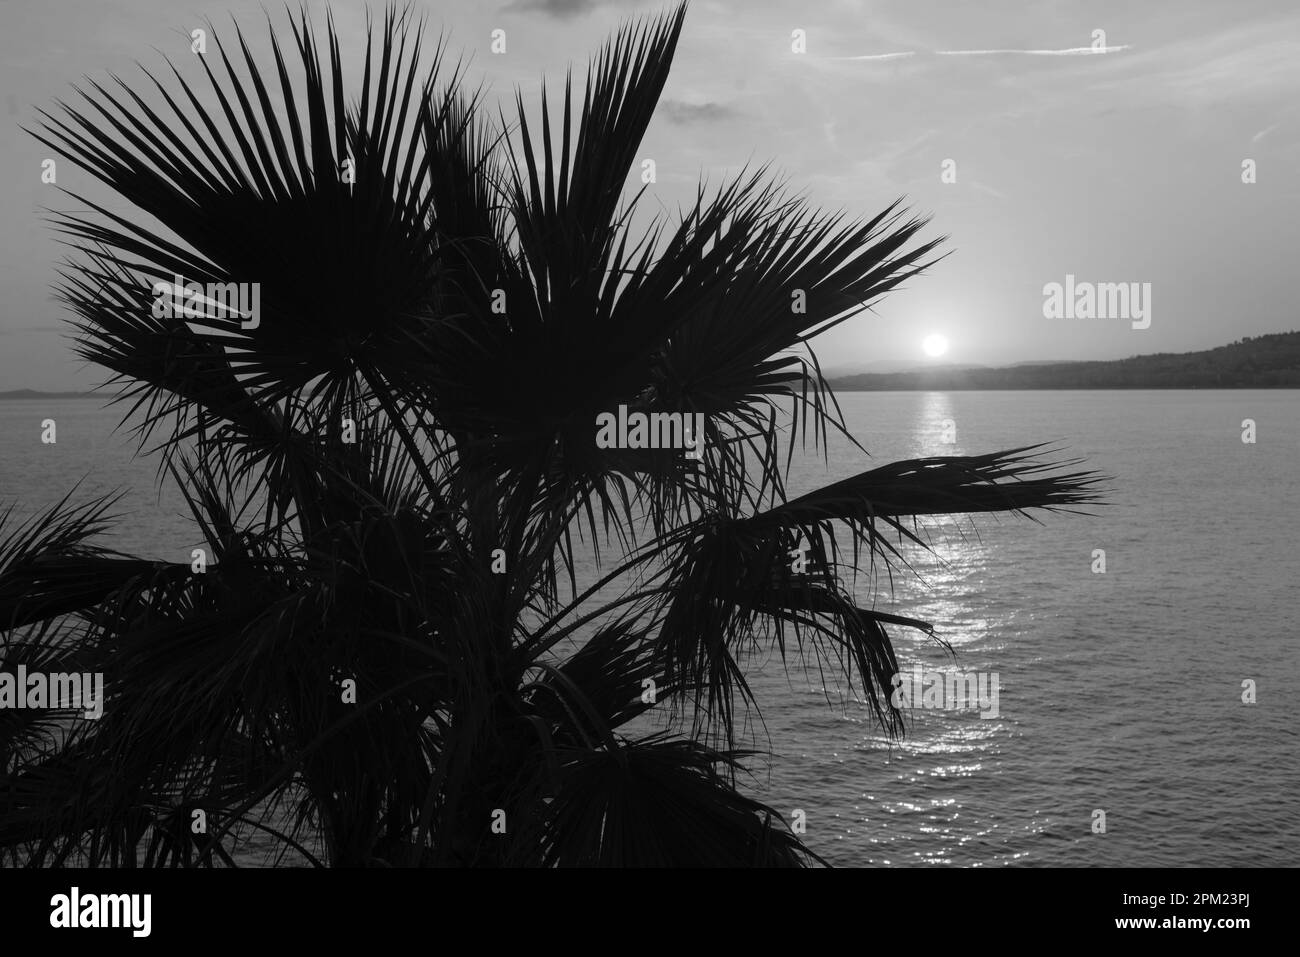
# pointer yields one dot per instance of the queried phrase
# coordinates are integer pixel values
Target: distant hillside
(1262, 362)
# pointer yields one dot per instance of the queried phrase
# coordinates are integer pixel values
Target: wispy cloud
(1211, 71)
(561, 9)
(1264, 132)
(1070, 51)
(985, 188)
(682, 112)
(876, 56)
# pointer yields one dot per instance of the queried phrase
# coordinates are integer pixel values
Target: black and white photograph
(726, 434)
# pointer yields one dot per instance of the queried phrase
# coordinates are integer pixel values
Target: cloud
(1071, 51)
(1264, 132)
(681, 112)
(560, 9)
(1245, 64)
(875, 56)
(985, 188)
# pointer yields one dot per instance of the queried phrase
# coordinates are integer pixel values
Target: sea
(1146, 715)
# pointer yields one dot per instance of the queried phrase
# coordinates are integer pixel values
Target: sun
(935, 345)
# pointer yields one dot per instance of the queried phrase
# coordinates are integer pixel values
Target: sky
(1039, 147)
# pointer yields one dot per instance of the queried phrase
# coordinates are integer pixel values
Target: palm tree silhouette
(398, 654)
